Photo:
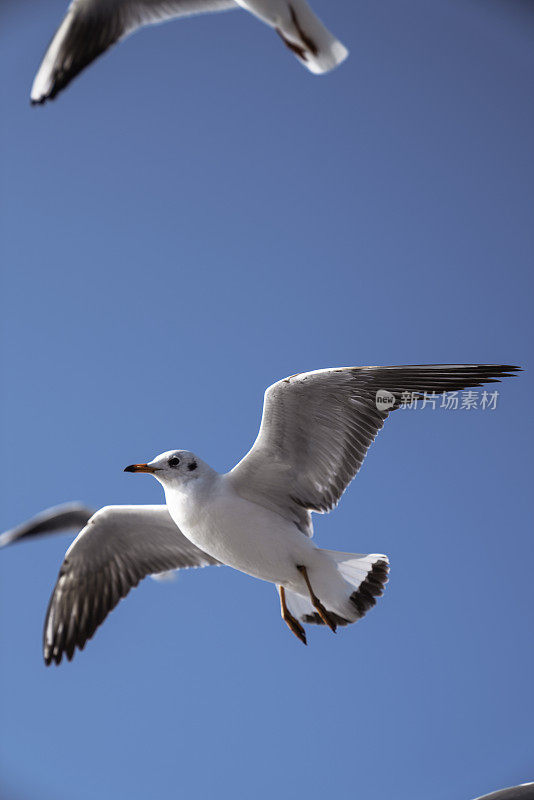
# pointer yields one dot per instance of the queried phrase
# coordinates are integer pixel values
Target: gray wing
(53, 520)
(317, 427)
(90, 27)
(119, 546)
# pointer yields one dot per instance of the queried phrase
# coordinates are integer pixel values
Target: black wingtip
(512, 368)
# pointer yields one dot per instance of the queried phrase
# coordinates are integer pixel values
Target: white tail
(366, 576)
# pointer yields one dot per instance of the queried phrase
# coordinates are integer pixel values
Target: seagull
(315, 431)
(90, 27)
(57, 519)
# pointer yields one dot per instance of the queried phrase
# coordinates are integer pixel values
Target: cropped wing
(57, 519)
(119, 546)
(90, 27)
(317, 427)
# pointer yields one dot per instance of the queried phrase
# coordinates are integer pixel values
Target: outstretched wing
(119, 546)
(90, 27)
(53, 520)
(317, 427)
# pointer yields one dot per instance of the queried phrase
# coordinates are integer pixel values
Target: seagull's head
(173, 468)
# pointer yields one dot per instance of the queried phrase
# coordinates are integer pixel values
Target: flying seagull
(315, 432)
(90, 27)
(57, 519)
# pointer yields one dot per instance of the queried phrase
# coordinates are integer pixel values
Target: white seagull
(90, 27)
(315, 432)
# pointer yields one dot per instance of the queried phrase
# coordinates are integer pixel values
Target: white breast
(239, 533)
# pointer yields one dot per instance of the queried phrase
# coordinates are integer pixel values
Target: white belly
(242, 535)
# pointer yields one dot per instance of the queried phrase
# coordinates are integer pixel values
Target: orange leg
(318, 606)
(292, 623)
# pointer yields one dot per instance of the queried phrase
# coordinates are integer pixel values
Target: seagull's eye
(174, 461)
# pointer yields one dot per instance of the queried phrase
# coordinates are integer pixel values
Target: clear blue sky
(194, 218)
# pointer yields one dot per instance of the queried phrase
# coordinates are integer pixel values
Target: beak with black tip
(139, 468)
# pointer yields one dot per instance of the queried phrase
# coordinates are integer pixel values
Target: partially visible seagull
(65, 517)
(90, 27)
(524, 791)
(59, 519)
(315, 432)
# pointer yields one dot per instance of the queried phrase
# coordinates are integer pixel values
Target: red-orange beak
(139, 468)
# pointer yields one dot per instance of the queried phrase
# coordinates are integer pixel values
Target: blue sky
(194, 218)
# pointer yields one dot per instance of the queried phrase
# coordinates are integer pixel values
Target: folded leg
(325, 615)
(292, 623)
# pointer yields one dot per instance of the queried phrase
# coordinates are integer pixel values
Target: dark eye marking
(174, 461)
(193, 465)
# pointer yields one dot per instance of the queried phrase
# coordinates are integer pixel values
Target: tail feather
(366, 576)
(302, 609)
(370, 588)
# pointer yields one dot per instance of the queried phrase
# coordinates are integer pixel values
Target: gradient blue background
(196, 217)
